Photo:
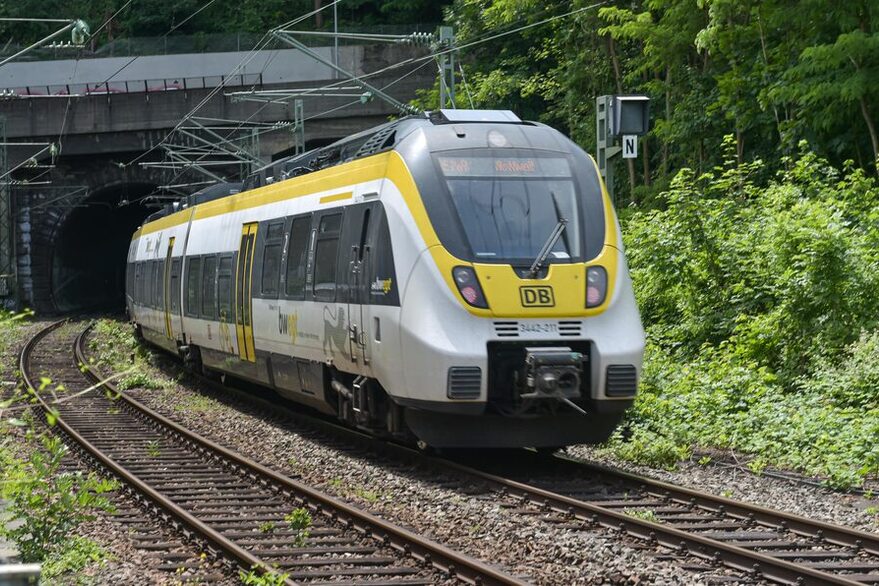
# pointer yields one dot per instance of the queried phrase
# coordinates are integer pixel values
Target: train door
(243, 291)
(358, 281)
(166, 286)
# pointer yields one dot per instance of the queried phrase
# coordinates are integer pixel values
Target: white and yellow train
(457, 279)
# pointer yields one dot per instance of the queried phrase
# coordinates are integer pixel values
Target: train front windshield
(509, 205)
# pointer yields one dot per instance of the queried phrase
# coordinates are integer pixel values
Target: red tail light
(468, 286)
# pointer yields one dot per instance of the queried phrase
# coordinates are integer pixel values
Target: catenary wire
(403, 63)
(312, 117)
(249, 57)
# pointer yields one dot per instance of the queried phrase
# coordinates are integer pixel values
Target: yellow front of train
(518, 323)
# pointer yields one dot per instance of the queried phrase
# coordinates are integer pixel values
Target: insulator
(418, 39)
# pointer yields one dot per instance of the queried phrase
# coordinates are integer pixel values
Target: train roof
(369, 142)
(357, 146)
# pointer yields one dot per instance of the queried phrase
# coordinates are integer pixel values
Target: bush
(46, 505)
(760, 304)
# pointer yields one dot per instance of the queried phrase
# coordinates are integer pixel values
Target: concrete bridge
(74, 205)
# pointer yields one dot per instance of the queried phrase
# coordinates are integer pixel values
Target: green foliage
(649, 448)
(188, 17)
(770, 73)
(761, 301)
(45, 504)
(10, 323)
(643, 514)
(116, 350)
(152, 449)
(75, 554)
(369, 496)
(196, 403)
(299, 520)
(257, 578)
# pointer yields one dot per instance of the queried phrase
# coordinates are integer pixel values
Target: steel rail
(738, 558)
(442, 558)
(733, 556)
(768, 517)
(228, 548)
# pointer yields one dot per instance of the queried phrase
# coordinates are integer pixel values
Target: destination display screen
(543, 167)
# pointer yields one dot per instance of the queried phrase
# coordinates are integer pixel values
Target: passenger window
(275, 231)
(271, 269)
(297, 247)
(147, 283)
(154, 278)
(193, 272)
(325, 254)
(224, 289)
(331, 223)
(271, 259)
(160, 284)
(325, 268)
(138, 283)
(208, 293)
(174, 288)
(364, 231)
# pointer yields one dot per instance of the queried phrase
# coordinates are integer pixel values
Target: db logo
(537, 296)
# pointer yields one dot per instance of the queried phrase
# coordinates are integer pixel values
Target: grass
(65, 565)
(643, 514)
(367, 495)
(114, 349)
(153, 450)
(256, 578)
(196, 403)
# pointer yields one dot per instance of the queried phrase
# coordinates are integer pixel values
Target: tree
(833, 81)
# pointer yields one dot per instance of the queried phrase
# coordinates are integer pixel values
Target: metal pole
(447, 67)
(336, 38)
(298, 127)
(7, 222)
(604, 147)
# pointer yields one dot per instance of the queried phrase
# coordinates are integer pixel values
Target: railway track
(759, 543)
(241, 510)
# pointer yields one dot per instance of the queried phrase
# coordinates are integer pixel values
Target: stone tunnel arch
(91, 245)
(72, 241)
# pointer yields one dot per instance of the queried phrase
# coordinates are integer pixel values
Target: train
(455, 279)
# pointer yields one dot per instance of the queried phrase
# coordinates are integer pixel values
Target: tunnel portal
(90, 248)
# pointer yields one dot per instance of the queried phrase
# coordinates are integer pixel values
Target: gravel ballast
(435, 507)
(124, 562)
(817, 503)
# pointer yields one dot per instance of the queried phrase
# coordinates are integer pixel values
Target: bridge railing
(134, 87)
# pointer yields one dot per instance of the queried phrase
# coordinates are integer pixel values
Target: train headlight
(596, 286)
(468, 286)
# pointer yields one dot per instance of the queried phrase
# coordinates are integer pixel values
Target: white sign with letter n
(630, 146)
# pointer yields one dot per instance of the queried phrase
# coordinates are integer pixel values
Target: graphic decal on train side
(225, 335)
(335, 331)
(288, 325)
(381, 286)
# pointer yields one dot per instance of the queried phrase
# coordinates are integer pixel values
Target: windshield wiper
(547, 248)
(558, 215)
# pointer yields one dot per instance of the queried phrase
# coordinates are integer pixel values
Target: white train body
(358, 289)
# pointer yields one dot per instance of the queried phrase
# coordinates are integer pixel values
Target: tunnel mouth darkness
(91, 246)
